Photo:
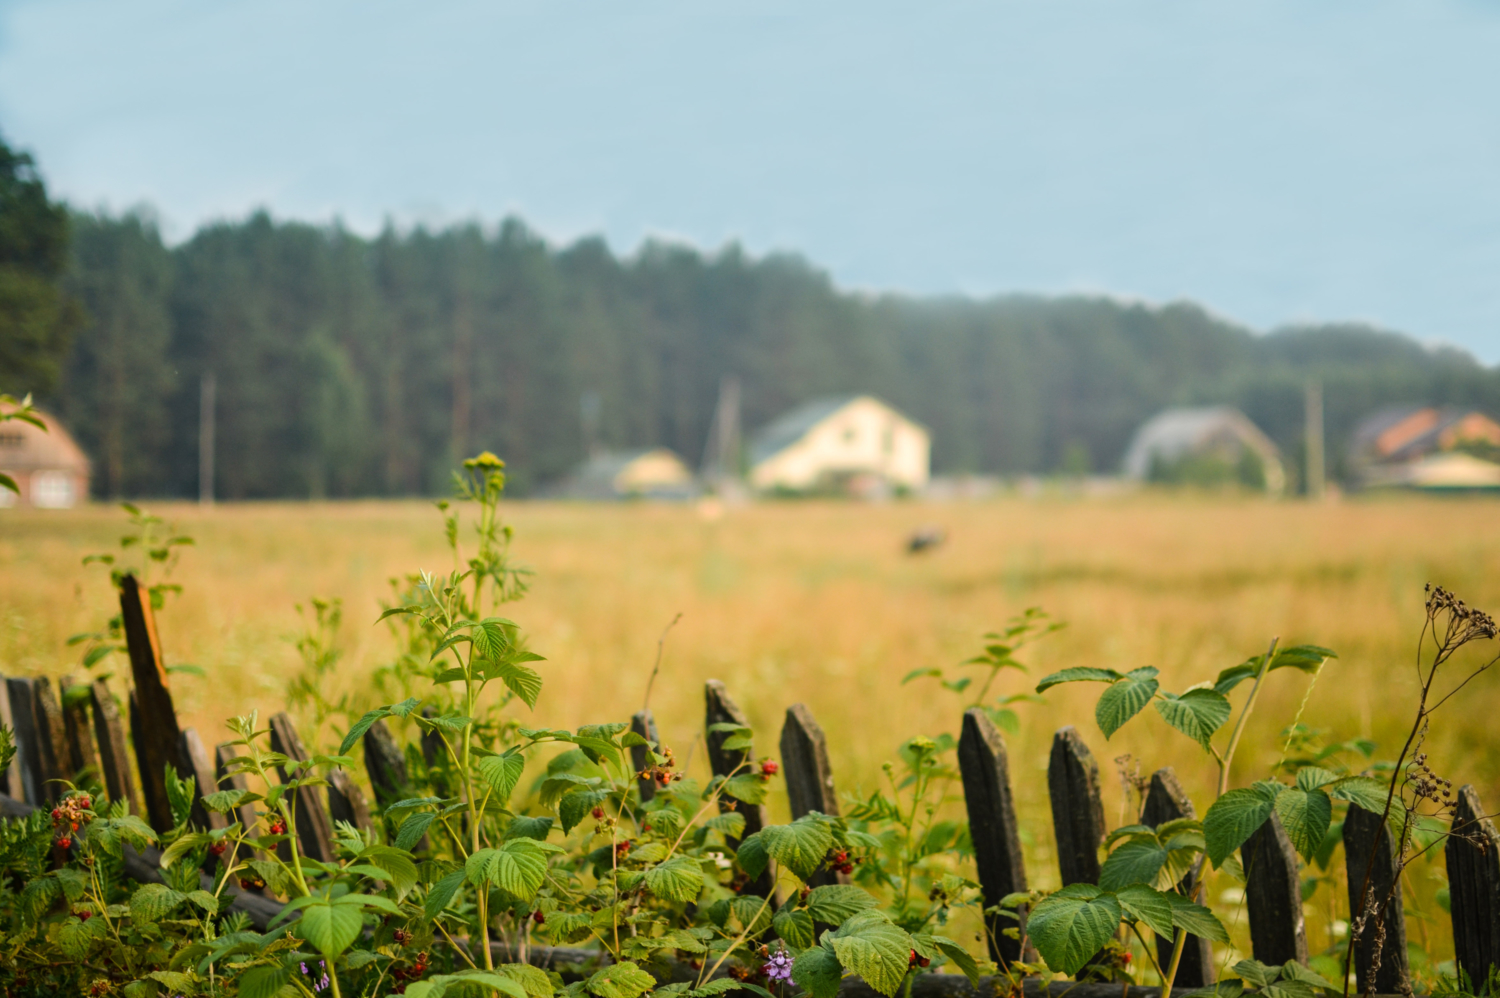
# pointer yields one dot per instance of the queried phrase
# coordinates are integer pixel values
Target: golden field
(818, 602)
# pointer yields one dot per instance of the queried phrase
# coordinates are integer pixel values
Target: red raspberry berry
(64, 843)
(218, 848)
(598, 813)
(769, 768)
(538, 917)
(277, 826)
(85, 915)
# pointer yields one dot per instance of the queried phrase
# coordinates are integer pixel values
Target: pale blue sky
(1276, 160)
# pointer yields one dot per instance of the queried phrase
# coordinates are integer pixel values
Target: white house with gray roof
(836, 441)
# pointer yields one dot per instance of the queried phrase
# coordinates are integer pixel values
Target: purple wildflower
(779, 967)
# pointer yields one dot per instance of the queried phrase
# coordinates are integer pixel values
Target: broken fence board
(1273, 895)
(153, 720)
(1473, 860)
(1077, 809)
(10, 778)
(109, 742)
(720, 708)
(985, 768)
(808, 775)
(78, 732)
(346, 801)
(1369, 848)
(314, 828)
(34, 775)
(1167, 801)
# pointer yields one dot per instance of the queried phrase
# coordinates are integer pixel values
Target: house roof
(790, 427)
(25, 448)
(600, 476)
(1403, 433)
(1173, 433)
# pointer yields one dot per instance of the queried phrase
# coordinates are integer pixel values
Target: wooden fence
(54, 742)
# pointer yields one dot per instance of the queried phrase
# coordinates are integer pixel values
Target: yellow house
(49, 466)
(849, 442)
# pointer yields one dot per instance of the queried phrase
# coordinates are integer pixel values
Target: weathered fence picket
(1273, 895)
(153, 720)
(808, 775)
(1167, 801)
(1473, 859)
(1370, 847)
(314, 827)
(1077, 809)
(109, 742)
(78, 731)
(34, 774)
(985, 769)
(346, 801)
(195, 763)
(720, 708)
(644, 724)
(10, 776)
(52, 737)
(224, 756)
(386, 765)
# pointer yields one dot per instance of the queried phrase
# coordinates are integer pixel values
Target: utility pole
(589, 406)
(207, 390)
(1314, 429)
(721, 457)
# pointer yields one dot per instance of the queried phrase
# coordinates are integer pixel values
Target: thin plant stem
(661, 644)
(1239, 726)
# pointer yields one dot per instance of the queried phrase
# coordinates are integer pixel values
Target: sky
(1278, 161)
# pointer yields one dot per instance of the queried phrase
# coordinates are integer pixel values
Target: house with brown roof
(1427, 447)
(48, 465)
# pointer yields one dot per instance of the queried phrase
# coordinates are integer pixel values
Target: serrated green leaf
(1135, 862)
(817, 972)
(173, 979)
(872, 946)
(1145, 904)
(1312, 777)
(1197, 713)
(960, 958)
(731, 824)
(224, 801)
(412, 829)
(264, 982)
(1235, 817)
(833, 904)
(794, 927)
(1125, 699)
(1305, 814)
(401, 871)
(746, 787)
(533, 980)
(523, 682)
(678, 879)
(800, 846)
(502, 773)
(442, 892)
(1082, 674)
(1196, 919)
(752, 856)
(622, 980)
(153, 902)
(1070, 926)
(330, 928)
(576, 806)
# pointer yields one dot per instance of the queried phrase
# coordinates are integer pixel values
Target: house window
(52, 490)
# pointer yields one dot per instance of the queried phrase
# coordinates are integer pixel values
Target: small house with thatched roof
(652, 473)
(1204, 445)
(48, 466)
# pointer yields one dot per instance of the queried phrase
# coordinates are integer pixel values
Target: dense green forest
(365, 366)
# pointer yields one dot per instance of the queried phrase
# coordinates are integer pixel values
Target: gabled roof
(787, 429)
(1173, 433)
(25, 448)
(1404, 433)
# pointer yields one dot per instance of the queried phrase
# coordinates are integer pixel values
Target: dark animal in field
(924, 539)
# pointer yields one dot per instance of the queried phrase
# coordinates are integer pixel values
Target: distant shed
(1205, 435)
(50, 468)
(1427, 447)
(652, 473)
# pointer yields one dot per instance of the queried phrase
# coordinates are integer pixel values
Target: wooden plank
(1473, 858)
(196, 763)
(153, 720)
(1077, 809)
(224, 754)
(808, 774)
(22, 700)
(51, 737)
(346, 801)
(10, 777)
(720, 708)
(78, 731)
(109, 742)
(644, 724)
(985, 768)
(1273, 895)
(1370, 847)
(386, 764)
(314, 829)
(1167, 801)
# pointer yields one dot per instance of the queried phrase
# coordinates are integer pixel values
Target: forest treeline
(353, 366)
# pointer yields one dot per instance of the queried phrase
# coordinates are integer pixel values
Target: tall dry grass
(817, 602)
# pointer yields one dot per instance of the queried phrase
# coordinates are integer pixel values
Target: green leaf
(412, 829)
(622, 980)
(1369, 794)
(1135, 862)
(800, 846)
(370, 717)
(518, 867)
(794, 927)
(1145, 904)
(525, 826)
(1257, 973)
(1125, 699)
(872, 946)
(533, 980)
(731, 824)
(1235, 817)
(224, 801)
(752, 856)
(1197, 713)
(523, 682)
(75, 937)
(576, 806)
(153, 902)
(746, 787)
(184, 845)
(1070, 926)
(1078, 675)
(678, 879)
(204, 900)
(330, 928)
(835, 903)
(401, 871)
(1196, 919)
(1312, 778)
(502, 773)
(1305, 814)
(264, 982)
(817, 972)
(960, 958)
(172, 979)
(442, 892)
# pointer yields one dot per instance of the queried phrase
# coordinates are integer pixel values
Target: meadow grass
(818, 602)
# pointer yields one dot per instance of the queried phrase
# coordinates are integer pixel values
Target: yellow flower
(485, 460)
